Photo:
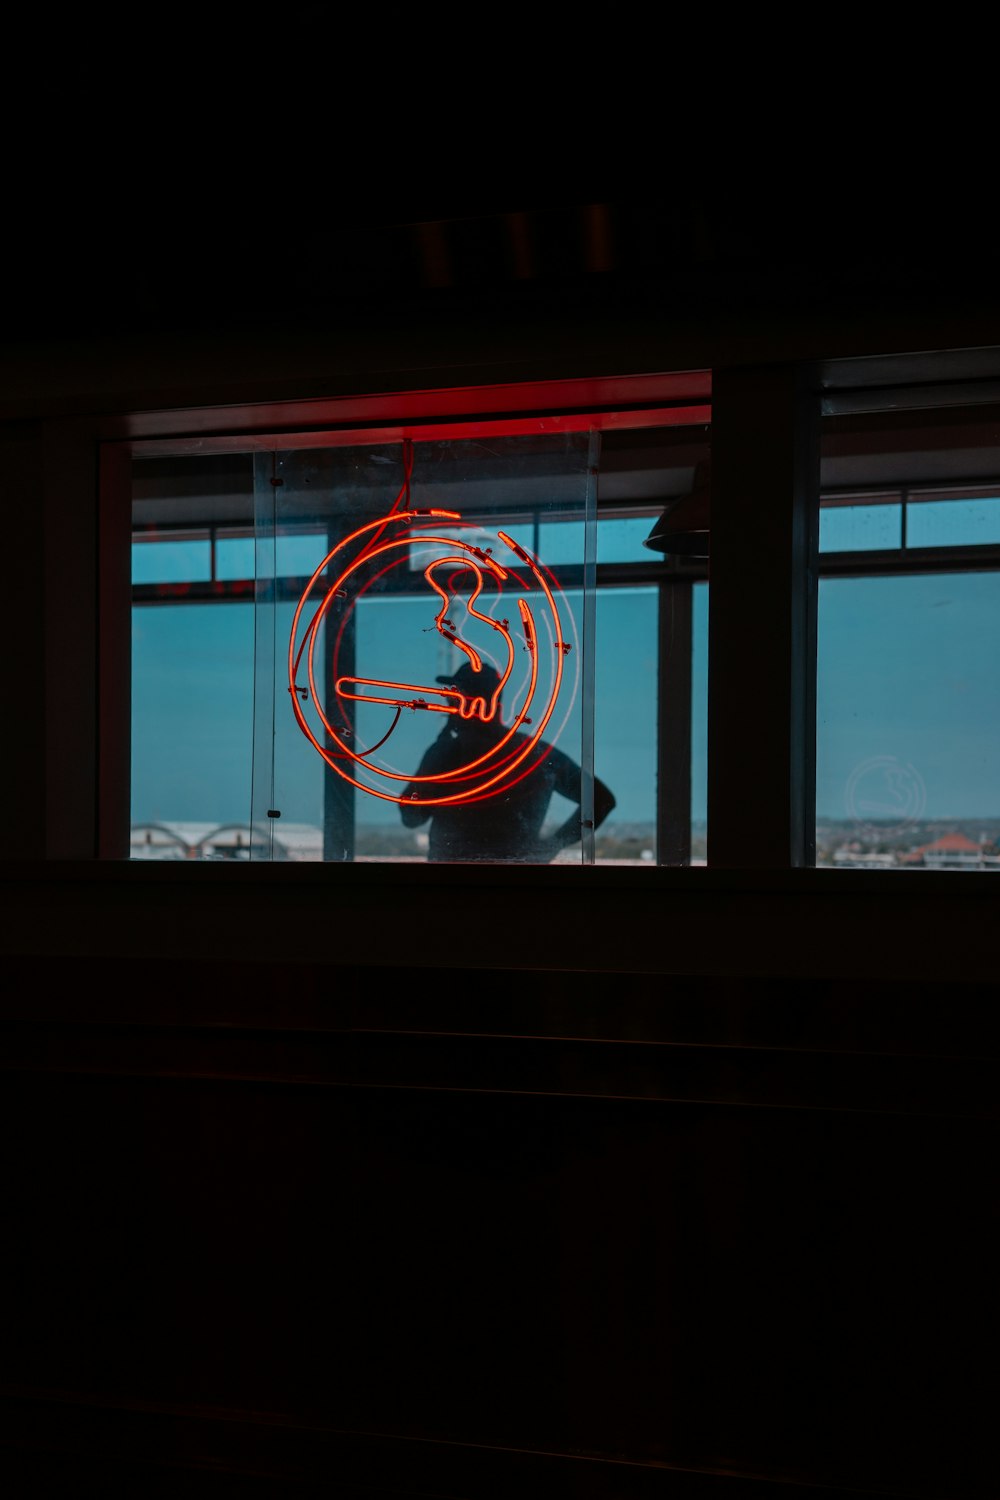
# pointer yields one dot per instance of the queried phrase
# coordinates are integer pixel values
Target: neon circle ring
(531, 637)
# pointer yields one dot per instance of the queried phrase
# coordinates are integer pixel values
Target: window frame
(765, 444)
(681, 401)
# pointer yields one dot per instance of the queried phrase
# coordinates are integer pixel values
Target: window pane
(206, 665)
(159, 560)
(860, 528)
(908, 720)
(408, 595)
(298, 552)
(619, 539)
(192, 662)
(625, 726)
(192, 721)
(699, 726)
(956, 522)
(234, 557)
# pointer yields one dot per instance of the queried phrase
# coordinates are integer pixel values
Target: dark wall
(718, 1223)
(693, 1198)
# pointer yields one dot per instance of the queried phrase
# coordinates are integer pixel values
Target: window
(295, 607)
(239, 754)
(908, 700)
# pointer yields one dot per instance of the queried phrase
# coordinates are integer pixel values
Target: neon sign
(495, 604)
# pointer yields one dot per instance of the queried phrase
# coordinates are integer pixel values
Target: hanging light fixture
(682, 530)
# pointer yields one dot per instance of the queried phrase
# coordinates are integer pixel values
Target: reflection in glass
(908, 717)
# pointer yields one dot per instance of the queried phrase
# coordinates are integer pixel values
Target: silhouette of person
(507, 825)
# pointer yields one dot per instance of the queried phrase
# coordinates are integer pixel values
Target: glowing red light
(348, 572)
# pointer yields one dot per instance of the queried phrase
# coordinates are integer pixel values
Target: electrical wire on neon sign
(497, 572)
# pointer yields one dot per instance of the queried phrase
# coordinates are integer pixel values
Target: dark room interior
(377, 1178)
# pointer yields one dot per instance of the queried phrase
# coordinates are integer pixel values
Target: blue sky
(907, 679)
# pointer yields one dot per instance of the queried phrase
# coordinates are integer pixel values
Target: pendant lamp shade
(682, 530)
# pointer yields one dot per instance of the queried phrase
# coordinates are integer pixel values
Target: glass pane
(192, 664)
(435, 670)
(561, 541)
(621, 539)
(234, 557)
(192, 723)
(860, 528)
(625, 724)
(955, 522)
(297, 551)
(699, 726)
(158, 559)
(205, 664)
(908, 721)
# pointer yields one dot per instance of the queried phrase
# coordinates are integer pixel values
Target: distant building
(952, 851)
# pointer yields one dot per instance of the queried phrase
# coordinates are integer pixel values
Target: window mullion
(673, 803)
(762, 618)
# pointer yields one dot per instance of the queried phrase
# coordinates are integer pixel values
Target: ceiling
(690, 252)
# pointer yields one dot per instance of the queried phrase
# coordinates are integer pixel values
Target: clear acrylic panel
(625, 723)
(424, 677)
(225, 546)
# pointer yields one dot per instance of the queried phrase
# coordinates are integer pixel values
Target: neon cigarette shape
(505, 762)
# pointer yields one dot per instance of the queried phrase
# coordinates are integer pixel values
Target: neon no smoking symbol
(514, 751)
